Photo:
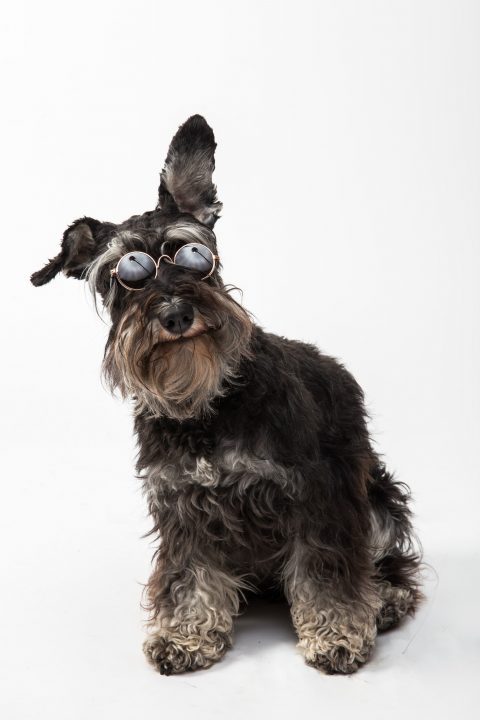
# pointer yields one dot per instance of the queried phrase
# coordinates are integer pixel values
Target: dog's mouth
(182, 337)
(197, 328)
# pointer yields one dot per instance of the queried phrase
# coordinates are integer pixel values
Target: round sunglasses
(136, 268)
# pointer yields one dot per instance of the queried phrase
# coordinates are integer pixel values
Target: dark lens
(135, 268)
(195, 257)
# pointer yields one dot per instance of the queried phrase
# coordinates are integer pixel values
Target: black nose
(177, 318)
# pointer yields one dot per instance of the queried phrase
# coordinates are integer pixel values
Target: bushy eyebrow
(189, 232)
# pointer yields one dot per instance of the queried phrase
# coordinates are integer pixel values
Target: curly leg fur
(194, 629)
(336, 626)
(334, 636)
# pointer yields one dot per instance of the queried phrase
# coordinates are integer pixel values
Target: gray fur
(254, 451)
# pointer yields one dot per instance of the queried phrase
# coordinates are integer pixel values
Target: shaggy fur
(253, 450)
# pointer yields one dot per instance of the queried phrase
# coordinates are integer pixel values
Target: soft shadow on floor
(263, 622)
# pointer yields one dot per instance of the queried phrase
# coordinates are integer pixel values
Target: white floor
(348, 157)
(71, 629)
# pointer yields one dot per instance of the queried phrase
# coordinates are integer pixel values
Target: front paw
(339, 660)
(336, 652)
(171, 653)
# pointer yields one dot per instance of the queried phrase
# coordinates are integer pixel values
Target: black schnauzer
(254, 450)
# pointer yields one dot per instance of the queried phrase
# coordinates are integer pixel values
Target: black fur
(253, 449)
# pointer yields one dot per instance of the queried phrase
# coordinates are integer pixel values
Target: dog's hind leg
(396, 556)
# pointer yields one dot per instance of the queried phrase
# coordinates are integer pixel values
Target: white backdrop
(348, 163)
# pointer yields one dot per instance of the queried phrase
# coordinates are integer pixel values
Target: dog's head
(177, 334)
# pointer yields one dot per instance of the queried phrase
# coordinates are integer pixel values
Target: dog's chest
(234, 497)
(227, 468)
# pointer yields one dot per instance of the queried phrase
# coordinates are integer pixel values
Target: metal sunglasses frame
(114, 271)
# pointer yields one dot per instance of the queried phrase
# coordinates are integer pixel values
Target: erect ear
(186, 179)
(81, 242)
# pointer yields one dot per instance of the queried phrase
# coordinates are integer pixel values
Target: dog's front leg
(336, 627)
(193, 608)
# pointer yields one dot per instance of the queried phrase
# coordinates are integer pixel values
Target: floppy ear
(186, 180)
(81, 242)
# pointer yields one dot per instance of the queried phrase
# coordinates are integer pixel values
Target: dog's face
(177, 335)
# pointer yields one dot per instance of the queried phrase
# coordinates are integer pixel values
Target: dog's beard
(180, 377)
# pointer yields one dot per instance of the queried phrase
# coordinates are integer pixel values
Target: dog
(254, 452)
